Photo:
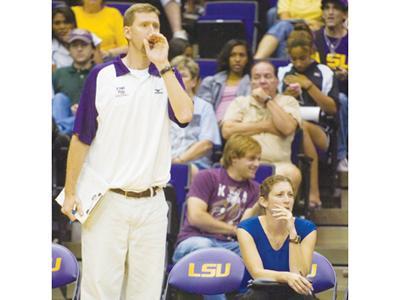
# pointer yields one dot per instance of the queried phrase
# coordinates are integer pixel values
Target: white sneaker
(181, 34)
(343, 165)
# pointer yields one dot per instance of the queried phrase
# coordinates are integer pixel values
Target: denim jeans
(343, 127)
(198, 242)
(281, 31)
(62, 113)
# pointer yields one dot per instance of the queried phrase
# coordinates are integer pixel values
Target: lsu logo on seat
(313, 270)
(209, 270)
(57, 265)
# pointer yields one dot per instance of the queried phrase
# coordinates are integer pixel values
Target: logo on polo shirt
(158, 91)
(120, 91)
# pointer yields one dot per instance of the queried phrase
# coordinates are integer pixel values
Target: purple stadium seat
(322, 276)
(55, 3)
(121, 6)
(208, 67)
(180, 178)
(246, 11)
(208, 272)
(264, 171)
(65, 268)
(279, 62)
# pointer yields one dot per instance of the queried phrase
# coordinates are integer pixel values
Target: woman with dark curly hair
(232, 79)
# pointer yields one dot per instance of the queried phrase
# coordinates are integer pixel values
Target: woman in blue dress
(276, 245)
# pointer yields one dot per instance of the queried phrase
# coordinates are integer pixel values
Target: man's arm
(282, 121)
(200, 218)
(76, 156)
(232, 127)
(180, 101)
(255, 210)
(195, 151)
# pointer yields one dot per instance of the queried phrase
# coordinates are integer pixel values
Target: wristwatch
(296, 240)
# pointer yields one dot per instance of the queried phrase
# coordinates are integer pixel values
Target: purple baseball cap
(80, 34)
(341, 3)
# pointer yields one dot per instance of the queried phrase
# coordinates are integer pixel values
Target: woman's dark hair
(223, 56)
(301, 36)
(67, 13)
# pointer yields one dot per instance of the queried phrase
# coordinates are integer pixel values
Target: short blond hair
(182, 61)
(239, 146)
(129, 15)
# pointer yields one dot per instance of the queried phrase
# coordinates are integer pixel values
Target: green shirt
(69, 80)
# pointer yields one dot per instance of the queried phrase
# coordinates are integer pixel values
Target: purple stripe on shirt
(171, 113)
(86, 116)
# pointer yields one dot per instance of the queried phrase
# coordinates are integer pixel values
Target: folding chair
(327, 159)
(208, 66)
(264, 171)
(322, 276)
(246, 11)
(206, 272)
(180, 179)
(65, 270)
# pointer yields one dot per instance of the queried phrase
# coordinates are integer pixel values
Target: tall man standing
(121, 134)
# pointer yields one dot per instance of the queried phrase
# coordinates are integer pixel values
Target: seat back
(121, 6)
(56, 3)
(208, 66)
(213, 34)
(279, 62)
(207, 272)
(246, 11)
(180, 178)
(65, 268)
(322, 274)
(264, 171)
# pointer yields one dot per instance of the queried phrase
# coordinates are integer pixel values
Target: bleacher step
(344, 179)
(335, 236)
(337, 256)
(75, 248)
(330, 216)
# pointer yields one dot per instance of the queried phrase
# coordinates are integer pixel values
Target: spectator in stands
(219, 198)
(106, 22)
(63, 21)
(312, 84)
(173, 12)
(268, 117)
(232, 79)
(194, 143)
(276, 245)
(289, 11)
(178, 46)
(68, 81)
(332, 46)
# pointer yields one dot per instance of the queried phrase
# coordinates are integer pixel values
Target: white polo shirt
(124, 115)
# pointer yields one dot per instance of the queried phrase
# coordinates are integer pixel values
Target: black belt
(147, 193)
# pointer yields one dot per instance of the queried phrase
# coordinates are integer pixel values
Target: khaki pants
(123, 248)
